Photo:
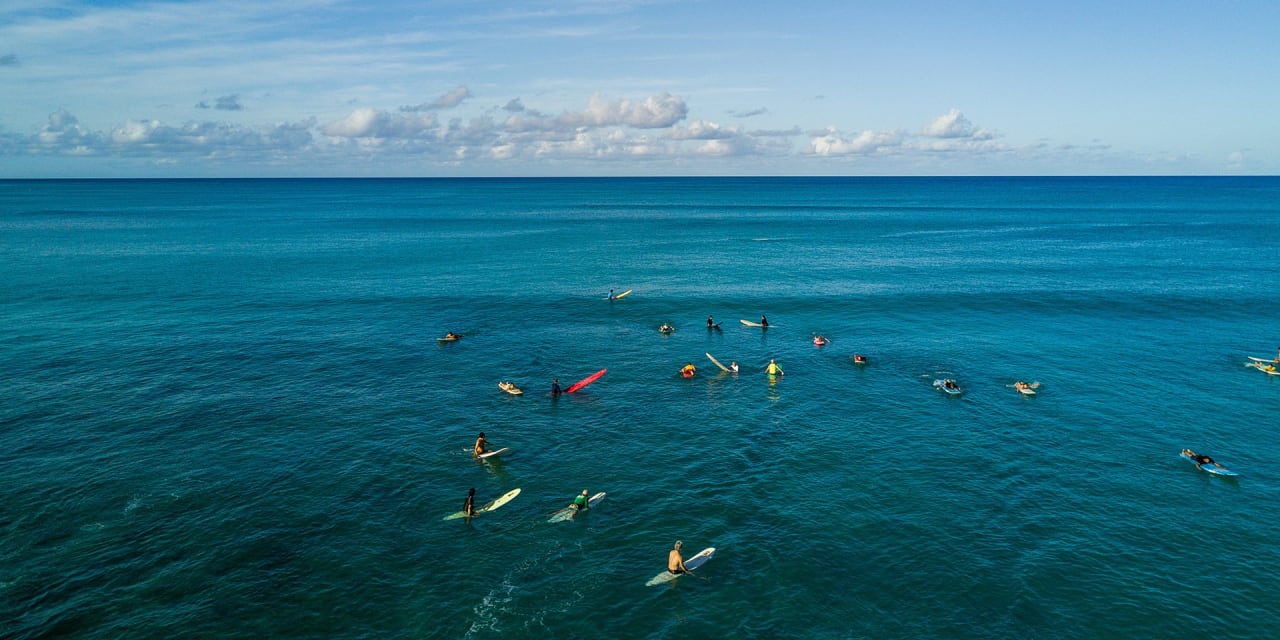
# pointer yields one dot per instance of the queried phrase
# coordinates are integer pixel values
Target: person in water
(482, 446)
(773, 369)
(688, 370)
(555, 386)
(469, 507)
(666, 328)
(950, 384)
(1201, 459)
(450, 336)
(1020, 385)
(764, 322)
(733, 366)
(675, 561)
(859, 358)
(580, 502)
(711, 323)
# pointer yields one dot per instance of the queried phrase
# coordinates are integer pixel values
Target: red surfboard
(586, 381)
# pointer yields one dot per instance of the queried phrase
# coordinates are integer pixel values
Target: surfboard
(586, 381)
(1266, 360)
(569, 512)
(1027, 391)
(448, 339)
(1210, 468)
(494, 453)
(1262, 366)
(692, 563)
(749, 324)
(492, 506)
(510, 388)
(941, 386)
(622, 295)
(717, 363)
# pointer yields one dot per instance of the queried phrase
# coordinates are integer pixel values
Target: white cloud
(447, 101)
(703, 130)
(367, 122)
(953, 124)
(833, 143)
(654, 112)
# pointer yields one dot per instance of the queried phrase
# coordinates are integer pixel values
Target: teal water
(225, 413)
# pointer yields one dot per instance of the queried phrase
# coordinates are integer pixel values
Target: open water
(224, 412)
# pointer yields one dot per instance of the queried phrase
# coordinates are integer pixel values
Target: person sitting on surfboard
(555, 386)
(580, 502)
(1201, 459)
(773, 369)
(469, 507)
(675, 562)
(711, 324)
(1020, 385)
(950, 384)
(764, 322)
(481, 445)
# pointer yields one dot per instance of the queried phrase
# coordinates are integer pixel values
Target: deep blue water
(225, 412)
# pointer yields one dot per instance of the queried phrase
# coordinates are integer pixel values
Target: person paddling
(1201, 459)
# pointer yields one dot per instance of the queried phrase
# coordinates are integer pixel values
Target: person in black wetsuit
(1201, 459)
(764, 322)
(469, 507)
(555, 386)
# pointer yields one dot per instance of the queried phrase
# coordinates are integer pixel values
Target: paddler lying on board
(1201, 459)
(675, 562)
(482, 446)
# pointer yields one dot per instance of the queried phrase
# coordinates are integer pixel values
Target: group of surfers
(675, 561)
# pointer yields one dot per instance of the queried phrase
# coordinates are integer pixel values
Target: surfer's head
(481, 434)
(472, 492)
(679, 544)
(584, 492)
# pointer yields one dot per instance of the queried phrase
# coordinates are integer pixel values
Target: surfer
(666, 328)
(858, 358)
(1201, 459)
(675, 561)
(450, 336)
(1021, 386)
(481, 446)
(733, 366)
(764, 322)
(711, 324)
(773, 369)
(580, 502)
(950, 384)
(688, 370)
(555, 386)
(469, 507)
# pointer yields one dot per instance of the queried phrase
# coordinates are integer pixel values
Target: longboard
(494, 453)
(569, 512)
(692, 563)
(749, 324)
(1266, 360)
(586, 381)
(1210, 468)
(506, 497)
(717, 363)
(621, 295)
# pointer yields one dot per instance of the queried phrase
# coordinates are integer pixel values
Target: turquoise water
(226, 413)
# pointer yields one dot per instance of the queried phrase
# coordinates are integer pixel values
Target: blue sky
(588, 87)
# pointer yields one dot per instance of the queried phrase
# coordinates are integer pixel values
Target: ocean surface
(224, 411)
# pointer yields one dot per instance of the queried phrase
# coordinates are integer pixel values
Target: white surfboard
(717, 363)
(492, 506)
(692, 563)
(493, 454)
(569, 512)
(750, 323)
(1266, 360)
(1266, 367)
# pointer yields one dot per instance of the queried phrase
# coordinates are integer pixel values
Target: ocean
(226, 413)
